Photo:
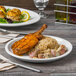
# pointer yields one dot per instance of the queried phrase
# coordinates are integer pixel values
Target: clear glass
(41, 5)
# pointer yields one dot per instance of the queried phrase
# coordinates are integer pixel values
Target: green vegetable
(17, 21)
(7, 10)
(22, 16)
(3, 20)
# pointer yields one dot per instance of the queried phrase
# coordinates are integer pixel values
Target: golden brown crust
(3, 8)
(14, 14)
(41, 29)
(27, 43)
(2, 14)
(17, 11)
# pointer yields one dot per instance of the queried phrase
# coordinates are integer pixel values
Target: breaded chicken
(17, 11)
(27, 42)
(14, 14)
(3, 8)
(2, 15)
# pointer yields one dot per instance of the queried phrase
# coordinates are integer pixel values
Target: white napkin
(5, 64)
(7, 37)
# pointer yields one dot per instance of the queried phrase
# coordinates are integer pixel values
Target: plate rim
(19, 24)
(52, 59)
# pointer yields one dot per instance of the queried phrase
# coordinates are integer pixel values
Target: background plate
(34, 18)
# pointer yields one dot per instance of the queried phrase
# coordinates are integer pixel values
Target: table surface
(62, 67)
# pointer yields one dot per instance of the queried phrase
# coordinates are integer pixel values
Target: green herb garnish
(8, 10)
(22, 16)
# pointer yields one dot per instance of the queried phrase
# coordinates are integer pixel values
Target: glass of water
(41, 5)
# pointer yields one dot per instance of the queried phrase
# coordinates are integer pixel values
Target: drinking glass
(41, 5)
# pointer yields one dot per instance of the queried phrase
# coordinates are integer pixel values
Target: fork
(17, 64)
(11, 32)
(6, 32)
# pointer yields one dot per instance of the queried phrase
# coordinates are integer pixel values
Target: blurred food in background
(14, 15)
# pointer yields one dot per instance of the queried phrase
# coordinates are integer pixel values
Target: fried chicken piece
(17, 11)
(2, 15)
(14, 14)
(27, 42)
(3, 8)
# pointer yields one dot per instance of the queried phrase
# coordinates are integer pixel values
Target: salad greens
(3, 20)
(17, 21)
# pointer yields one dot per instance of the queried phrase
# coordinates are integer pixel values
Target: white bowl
(28, 59)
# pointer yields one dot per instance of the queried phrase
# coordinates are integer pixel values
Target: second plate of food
(14, 16)
(49, 49)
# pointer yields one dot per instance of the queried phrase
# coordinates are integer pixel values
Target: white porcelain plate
(27, 58)
(34, 18)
